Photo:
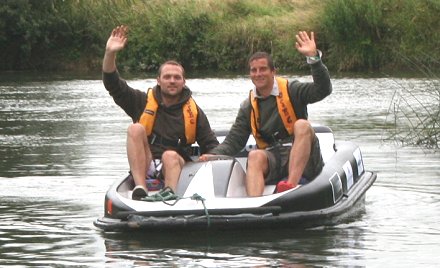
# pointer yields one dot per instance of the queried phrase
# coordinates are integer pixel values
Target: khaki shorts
(278, 158)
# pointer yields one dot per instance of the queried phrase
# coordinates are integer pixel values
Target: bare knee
(303, 128)
(256, 156)
(172, 158)
(257, 159)
(136, 131)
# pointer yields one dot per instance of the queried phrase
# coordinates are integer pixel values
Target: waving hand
(115, 43)
(306, 45)
(117, 39)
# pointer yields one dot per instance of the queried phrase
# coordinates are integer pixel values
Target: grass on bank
(215, 35)
(355, 35)
(374, 34)
(202, 34)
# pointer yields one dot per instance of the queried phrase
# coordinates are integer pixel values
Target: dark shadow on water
(269, 248)
(246, 234)
(213, 238)
(292, 246)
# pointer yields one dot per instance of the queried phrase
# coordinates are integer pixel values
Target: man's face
(261, 74)
(171, 80)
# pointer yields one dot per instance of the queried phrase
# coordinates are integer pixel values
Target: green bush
(160, 33)
(355, 32)
(49, 34)
(414, 32)
(199, 38)
(377, 34)
(355, 35)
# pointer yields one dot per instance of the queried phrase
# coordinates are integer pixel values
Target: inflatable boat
(212, 195)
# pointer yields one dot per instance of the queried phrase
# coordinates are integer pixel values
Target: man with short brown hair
(166, 120)
(275, 113)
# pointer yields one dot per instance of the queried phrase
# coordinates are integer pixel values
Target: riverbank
(218, 36)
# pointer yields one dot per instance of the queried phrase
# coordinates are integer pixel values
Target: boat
(212, 195)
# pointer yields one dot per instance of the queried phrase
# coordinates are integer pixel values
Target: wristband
(314, 58)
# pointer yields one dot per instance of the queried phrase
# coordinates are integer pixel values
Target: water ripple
(62, 144)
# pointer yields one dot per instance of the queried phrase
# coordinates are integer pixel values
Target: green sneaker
(164, 194)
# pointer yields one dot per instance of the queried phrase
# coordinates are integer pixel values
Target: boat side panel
(112, 202)
(343, 211)
(328, 187)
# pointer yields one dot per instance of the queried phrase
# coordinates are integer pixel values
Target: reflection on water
(47, 220)
(51, 128)
(62, 144)
(268, 248)
(42, 232)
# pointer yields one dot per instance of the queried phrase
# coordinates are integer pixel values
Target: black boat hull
(343, 211)
(214, 196)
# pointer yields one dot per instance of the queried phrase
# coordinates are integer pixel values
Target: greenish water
(62, 144)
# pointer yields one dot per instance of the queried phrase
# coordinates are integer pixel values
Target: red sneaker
(284, 186)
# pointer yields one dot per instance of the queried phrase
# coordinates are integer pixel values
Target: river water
(62, 144)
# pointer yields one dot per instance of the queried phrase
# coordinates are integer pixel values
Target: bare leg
(257, 168)
(138, 153)
(300, 153)
(172, 164)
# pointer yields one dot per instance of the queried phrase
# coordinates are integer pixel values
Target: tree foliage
(217, 35)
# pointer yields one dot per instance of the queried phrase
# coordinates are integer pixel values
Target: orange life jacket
(285, 110)
(189, 110)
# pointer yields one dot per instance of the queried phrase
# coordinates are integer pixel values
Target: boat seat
(227, 180)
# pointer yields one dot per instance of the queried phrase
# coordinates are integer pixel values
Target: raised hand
(115, 43)
(117, 39)
(306, 45)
